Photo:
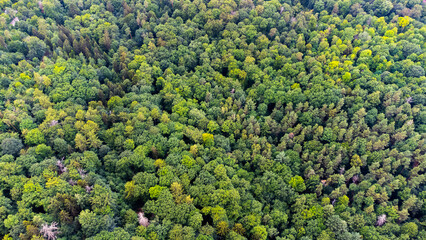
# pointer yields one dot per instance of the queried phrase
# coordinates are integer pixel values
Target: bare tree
(50, 231)
(143, 221)
(381, 220)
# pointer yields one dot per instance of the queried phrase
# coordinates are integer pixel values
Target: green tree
(92, 224)
(259, 233)
(34, 137)
(297, 183)
(208, 139)
(411, 229)
(36, 47)
(11, 146)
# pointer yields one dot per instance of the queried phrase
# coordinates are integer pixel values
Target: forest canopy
(220, 119)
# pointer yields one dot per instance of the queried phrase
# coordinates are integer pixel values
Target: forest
(212, 119)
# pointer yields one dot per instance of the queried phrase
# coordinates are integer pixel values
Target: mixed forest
(212, 119)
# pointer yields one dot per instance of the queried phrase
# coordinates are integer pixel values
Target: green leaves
(34, 137)
(11, 146)
(115, 101)
(297, 183)
(207, 117)
(154, 192)
(208, 139)
(92, 223)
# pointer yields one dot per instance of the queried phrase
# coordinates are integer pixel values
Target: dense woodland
(221, 119)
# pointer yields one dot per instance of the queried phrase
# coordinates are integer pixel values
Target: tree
(415, 71)
(297, 183)
(43, 151)
(27, 123)
(259, 233)
(179, 232)
(203, 119)
(208, 139)
(60, 146)
(117, 234)
(195, 221)
(291, 159)
(49, 231)
(90, 161)
(143, 221)
(115, 101)
(411, 229)
(11, 146)
(338, 227)
(92, 224)
(36, 47)
(328, 135)
(319, 6)
(403, 21)
(34, 137)
(222, 228)
(80, 142)
(381, 219)
(356, 161)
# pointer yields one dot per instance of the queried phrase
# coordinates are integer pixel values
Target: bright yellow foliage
(403, 21)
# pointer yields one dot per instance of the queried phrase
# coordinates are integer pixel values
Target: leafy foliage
(212, 119)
